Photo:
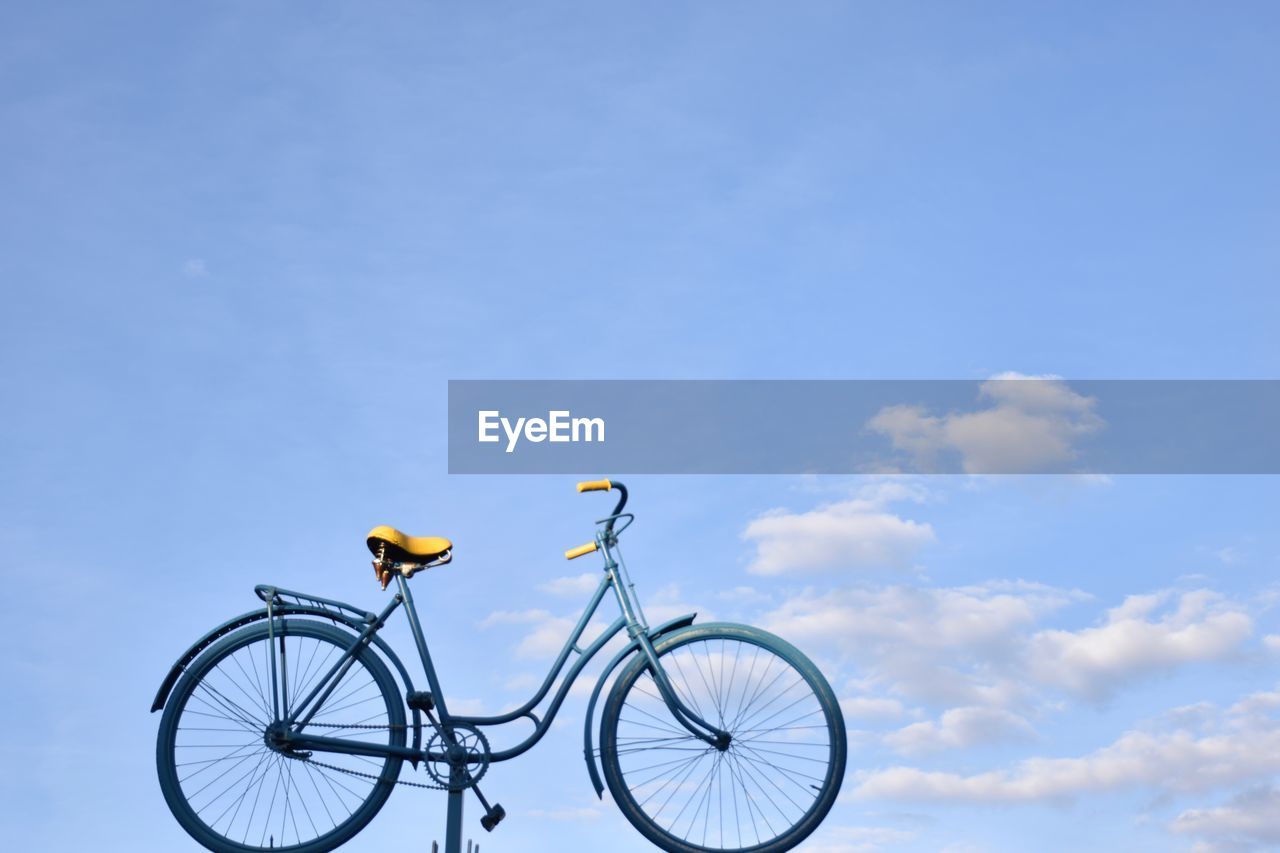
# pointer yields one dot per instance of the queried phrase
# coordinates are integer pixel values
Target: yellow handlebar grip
(595, 486)
(579, 551)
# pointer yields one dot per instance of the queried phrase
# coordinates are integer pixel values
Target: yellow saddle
(402, 548)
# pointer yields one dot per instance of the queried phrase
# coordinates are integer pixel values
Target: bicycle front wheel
(233, 786)
(778, 777)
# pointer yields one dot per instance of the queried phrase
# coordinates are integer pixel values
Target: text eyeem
(557, 426)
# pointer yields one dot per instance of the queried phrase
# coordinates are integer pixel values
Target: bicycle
(285, 729)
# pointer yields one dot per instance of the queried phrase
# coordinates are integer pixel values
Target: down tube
(541, 726)
(574, 636)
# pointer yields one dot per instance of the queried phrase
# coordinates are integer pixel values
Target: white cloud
(949, 645)
(872, 709)
(1249, 821)
(959, 728)
(571, 814)
(984, 645)
(1228, 555)
(1272, 643)
(524, 682)
(1136, 639)
(514, 617)
(744, 595)
(468, 707)
(195, 268)
(548, 632)
(855, 533)
(1244, 747)
(856, 839)
(572, 586)
(548, 637)
(1031, 423)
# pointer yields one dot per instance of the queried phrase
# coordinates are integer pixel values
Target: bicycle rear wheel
(780, 774)
(232, 787)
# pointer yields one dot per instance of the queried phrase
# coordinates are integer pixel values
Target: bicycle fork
(638, 630)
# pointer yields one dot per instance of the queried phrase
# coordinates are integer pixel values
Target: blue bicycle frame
(292, 718)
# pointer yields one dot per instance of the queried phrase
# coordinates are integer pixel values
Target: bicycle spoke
(312, 676)
(689, 694)
(680, 763)
(747, 681)
(697, 792)
(755, 717)
(241, 781)
(220, 702)
(755, 775)
(262, 698)
(787, 772)
(215, 780)
(239, 801)
(751, 800)
(208, 763)
(776, 763)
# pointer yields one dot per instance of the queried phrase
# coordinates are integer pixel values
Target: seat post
(415, 625)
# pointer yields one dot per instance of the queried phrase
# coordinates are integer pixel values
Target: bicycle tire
(745, 707)
(204, 695)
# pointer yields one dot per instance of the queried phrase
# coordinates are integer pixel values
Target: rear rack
(276, 595)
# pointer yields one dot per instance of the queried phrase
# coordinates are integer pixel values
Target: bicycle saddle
(403, 548)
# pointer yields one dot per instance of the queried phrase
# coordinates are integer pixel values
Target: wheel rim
(238, 785)
(774, 772)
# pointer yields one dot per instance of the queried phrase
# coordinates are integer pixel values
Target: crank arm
(493, 814)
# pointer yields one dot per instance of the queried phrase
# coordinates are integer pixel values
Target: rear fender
(588, 743)
(352, 622)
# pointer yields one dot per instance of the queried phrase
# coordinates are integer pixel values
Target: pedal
(420, 700)
(493, 818)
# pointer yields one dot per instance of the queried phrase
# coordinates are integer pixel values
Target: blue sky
(247, 244)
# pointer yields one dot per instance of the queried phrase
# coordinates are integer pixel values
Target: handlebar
(574, 553)
(600, 486)
(607, 486)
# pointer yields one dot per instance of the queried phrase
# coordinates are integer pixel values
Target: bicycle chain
(430, 786)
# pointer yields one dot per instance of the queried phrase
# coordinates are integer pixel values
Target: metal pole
(453, 822)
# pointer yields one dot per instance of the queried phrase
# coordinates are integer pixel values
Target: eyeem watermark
(1008, 424)
(558, 426)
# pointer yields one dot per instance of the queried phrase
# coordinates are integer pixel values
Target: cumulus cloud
(1029, 424)
(1249, 821)
(856, 839)
(744, 595)
(959, 728)
(872, 709)
(548, 636)
(570, 814)
(1242, 748)
(514, 617)
(850, 534)
(546, 633)
(949, 645)
(1145, 634)
(572, 586)
(986, 645)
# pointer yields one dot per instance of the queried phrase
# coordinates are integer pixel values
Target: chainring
(472, 751)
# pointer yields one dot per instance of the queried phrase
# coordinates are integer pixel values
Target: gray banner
(1003, 425)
